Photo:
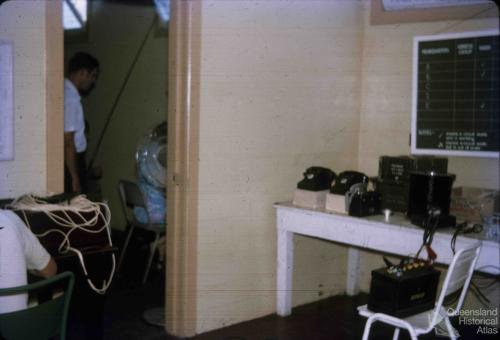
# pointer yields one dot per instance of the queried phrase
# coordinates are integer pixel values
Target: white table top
(397, 236)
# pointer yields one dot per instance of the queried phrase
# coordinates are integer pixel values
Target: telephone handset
(316, 178)
(345, 180)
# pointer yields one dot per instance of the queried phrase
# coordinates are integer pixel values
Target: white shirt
(73, 115)
(19, 250)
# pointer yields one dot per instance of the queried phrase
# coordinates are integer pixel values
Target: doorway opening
(130, 41)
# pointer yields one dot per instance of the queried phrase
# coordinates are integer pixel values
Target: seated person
(20, 251)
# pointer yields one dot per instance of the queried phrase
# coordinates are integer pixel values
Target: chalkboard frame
(413, 140)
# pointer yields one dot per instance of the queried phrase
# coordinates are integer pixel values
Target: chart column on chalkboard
(455, 98)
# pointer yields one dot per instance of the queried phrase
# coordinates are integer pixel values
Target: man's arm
(70, 160)
(38, 260)
(49, 270)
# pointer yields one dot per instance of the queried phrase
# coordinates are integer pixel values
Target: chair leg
(396, 334)
(366, 331)
(450, 329)
(151, 255)
(124, 249)
(413, 335)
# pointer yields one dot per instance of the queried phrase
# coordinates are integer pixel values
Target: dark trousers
(81, 166)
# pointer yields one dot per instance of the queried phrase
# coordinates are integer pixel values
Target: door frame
(182, 171)
(54, 103)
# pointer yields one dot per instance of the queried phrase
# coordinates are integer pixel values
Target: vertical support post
(353, 265)
(181, 296)
(54, 103)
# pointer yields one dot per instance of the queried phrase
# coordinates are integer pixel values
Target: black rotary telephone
(316, 178)
(345, 180)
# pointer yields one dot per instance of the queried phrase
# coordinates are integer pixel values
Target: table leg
(284, 273)
(353, 264)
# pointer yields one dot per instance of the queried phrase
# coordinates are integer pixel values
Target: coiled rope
(77, 206)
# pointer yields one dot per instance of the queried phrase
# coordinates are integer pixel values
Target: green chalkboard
(456, 94)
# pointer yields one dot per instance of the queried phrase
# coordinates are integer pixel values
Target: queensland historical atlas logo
(486, 320)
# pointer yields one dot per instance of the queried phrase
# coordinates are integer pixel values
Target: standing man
(83, 70)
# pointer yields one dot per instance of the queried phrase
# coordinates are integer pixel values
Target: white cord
(77, 206)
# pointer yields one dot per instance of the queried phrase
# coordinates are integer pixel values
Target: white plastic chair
(457, 278)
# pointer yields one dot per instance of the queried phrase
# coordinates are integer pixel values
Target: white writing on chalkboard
(464, 49)
(439, 50)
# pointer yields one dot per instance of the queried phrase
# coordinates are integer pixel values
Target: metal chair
(131, 196)
(46, 319)
(457, 279)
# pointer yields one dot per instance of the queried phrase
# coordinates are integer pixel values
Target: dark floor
(124, 307)
(332, 318)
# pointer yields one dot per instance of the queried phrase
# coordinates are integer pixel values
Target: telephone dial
(345, 180)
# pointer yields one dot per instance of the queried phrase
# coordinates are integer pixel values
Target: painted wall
(280, 88)
(116, 32)
(23, 23)
(386, 106)
(287, 85)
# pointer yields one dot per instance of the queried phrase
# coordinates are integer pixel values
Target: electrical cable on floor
(464, 228)
(479, 294)
(495, 276)
(479, 288)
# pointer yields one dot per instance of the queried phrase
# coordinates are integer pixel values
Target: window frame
(161, 29)
(81, 34)
(379, 16)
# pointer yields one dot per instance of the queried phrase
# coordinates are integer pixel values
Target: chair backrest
(45, 320)
(130, 196)
(458, 278)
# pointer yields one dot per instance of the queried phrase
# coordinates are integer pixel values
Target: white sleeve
(36, 256)
(71, 108)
